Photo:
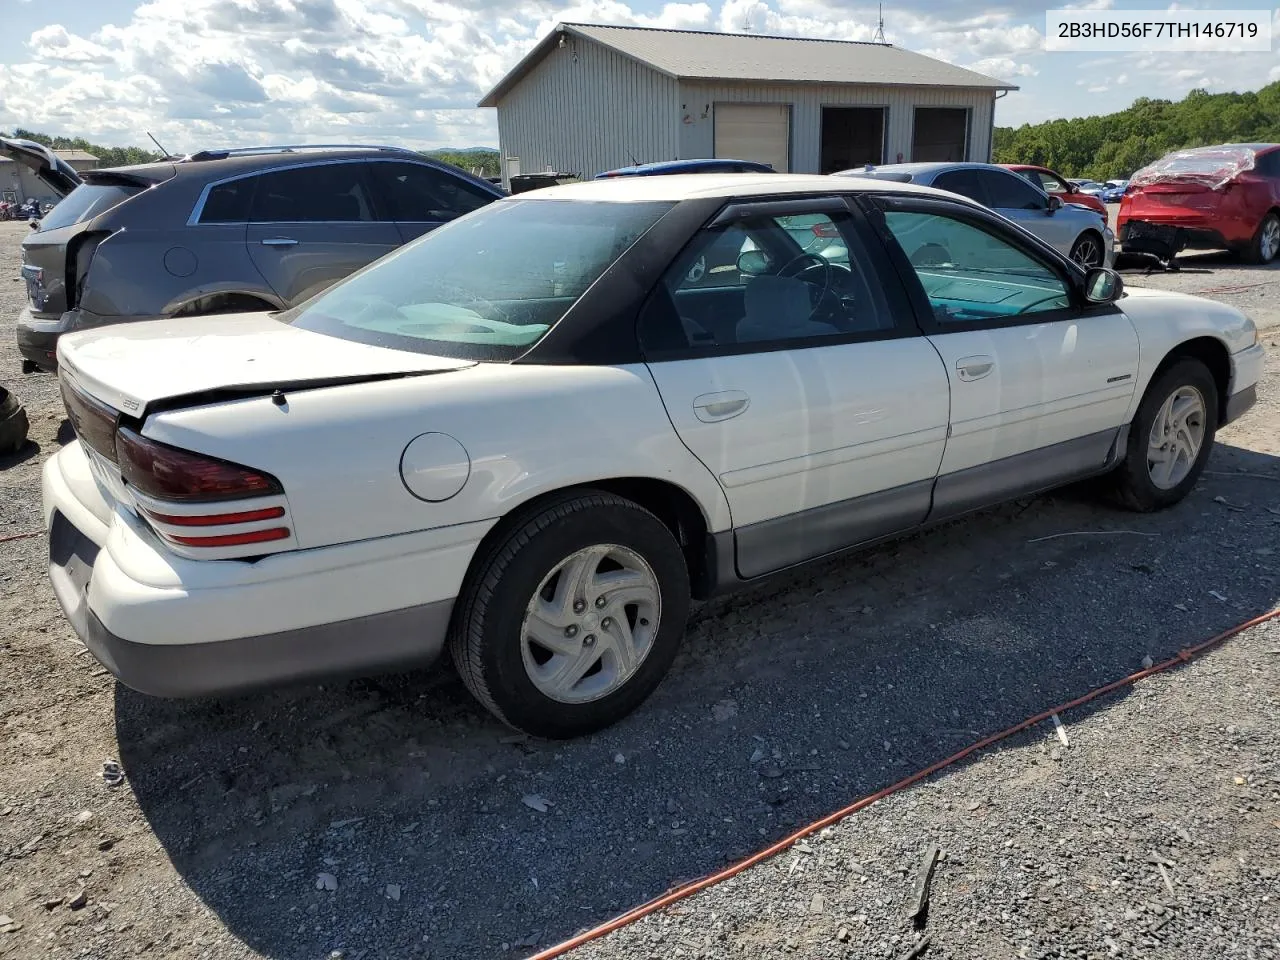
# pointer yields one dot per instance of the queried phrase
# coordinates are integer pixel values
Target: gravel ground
(786, 703)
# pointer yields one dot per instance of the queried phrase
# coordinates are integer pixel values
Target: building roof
(72, 156)
(702, 55)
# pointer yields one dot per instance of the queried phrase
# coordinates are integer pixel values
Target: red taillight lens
(232, 539)
(825, 230)
(215, 519)
(167, 473)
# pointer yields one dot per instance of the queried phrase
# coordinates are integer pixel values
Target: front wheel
(571, 620)
(1265, 245)
(1170, 438)
(1088, 251)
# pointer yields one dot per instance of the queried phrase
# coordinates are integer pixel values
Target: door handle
(974, 368)
(279, 242)
(712, 407)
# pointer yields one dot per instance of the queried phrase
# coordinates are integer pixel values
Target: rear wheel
(572, 619)
(1265, 245)
(1170, 438)
(1088, 251)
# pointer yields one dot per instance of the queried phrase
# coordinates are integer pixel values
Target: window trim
(902, 311)
(879, 203)
(193, 220)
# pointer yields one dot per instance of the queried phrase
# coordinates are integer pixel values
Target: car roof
(220, 164)
(662, 166)
(688, 186)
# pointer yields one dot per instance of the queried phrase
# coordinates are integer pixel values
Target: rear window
(85, 202)
(484, 287)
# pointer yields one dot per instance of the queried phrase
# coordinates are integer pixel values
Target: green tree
(1115, 145)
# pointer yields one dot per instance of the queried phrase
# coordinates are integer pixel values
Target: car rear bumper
(172, 627)
(1198, 232)
(38, 340)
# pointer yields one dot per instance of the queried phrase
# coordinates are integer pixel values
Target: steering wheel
(796, 269)
(1037, 303)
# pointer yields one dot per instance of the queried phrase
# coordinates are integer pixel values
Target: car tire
(13, 423)
(1180, 405)
(1089, 244)
(546, 580)
(1265, 245)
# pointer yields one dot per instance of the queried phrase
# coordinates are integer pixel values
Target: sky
(201, 73)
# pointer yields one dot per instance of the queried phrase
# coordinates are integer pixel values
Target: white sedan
(534, 435)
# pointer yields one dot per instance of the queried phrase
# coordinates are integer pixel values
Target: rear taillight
(825, 230)
(167, 473)
(94, 422)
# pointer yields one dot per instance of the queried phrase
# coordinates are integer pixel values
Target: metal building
(591, 98)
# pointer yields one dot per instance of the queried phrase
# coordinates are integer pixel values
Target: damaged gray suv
(221, 231)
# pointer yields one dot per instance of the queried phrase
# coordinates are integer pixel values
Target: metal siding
(807, 101)
(589, 116)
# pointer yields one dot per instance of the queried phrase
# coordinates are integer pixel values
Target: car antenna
(157, 143)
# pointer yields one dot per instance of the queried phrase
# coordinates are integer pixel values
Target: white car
(530, 437)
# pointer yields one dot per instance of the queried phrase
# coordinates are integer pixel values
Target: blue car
(667, 167)
(1114, 190)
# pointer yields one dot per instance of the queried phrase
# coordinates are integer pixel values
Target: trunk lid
(1184, 194)
(134, 366)
(58, 175)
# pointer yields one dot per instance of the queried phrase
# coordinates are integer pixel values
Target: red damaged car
(1223, 197)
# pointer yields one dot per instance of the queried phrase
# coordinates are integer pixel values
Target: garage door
(940, 133)
(754, 131)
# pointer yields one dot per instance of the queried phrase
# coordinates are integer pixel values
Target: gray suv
(226, 231)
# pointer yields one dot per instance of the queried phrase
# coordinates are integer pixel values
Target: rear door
(1039, 384)
(418, 197)
(313, 224)
(805, 386)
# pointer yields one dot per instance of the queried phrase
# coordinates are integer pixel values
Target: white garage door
(754, 131)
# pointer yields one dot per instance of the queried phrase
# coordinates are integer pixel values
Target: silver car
(1080, 233)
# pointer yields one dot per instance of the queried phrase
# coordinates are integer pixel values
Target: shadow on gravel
(786, 703)
(24, 453)
(66, 433)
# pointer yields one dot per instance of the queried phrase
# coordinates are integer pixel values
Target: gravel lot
(786, 703)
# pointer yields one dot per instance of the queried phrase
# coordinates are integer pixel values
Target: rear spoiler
(146, 175)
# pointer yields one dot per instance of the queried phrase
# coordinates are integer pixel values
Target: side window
(1005, 190)
(1269, 164)
(229, 202)
(417, 193)
(325, 193)
(971, 275)
(1049, 183)
(767, 280)
(963, 182)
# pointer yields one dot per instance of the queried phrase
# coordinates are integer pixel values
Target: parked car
(1090, 187)
(1225, 197)
(386, 470)
(1113, 191)
(1080, 233)
(1056, 185)
(706, 165)
(221, 231)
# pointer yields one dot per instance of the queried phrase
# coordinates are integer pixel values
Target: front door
(1040, 385)
(312, 225)
(799, 378)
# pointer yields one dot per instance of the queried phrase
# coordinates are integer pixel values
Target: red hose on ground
(689, 889)
(22, 536)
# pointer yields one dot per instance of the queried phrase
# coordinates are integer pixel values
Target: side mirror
(1055, 204)
(753, 263)
(1102, 285)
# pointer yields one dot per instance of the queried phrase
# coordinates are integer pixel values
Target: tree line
(1114, 146)
(483, 161)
